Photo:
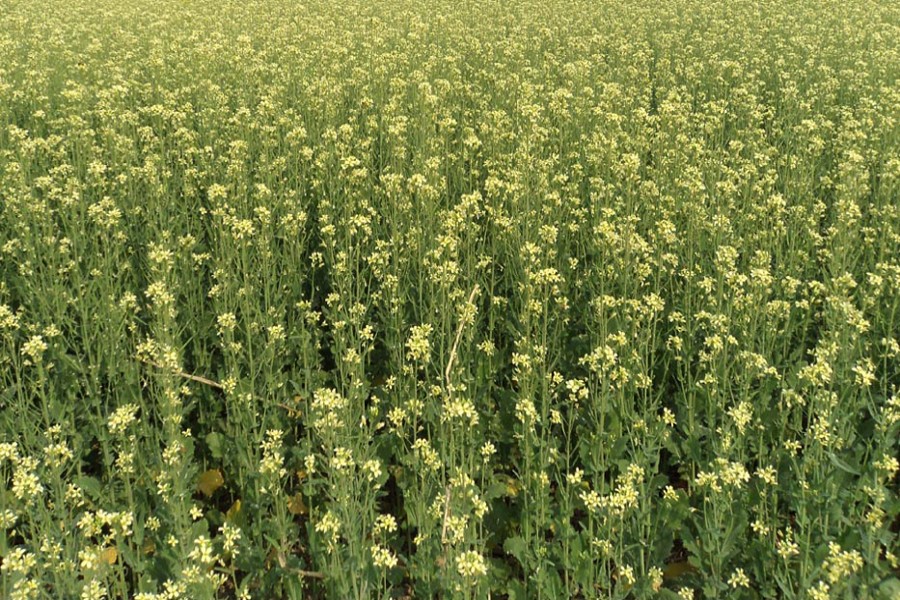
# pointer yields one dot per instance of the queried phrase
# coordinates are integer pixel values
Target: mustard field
(402, 299)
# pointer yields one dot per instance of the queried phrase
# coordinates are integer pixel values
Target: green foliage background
(409, 298)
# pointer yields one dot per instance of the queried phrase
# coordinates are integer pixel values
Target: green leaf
(515, 590)
(889, 589)
(199, 528)
(841, 464)
(215, 441)
(516, 547)
(91, 487)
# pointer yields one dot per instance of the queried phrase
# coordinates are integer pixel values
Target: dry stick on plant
(459, 331)
(208, 382)
(196, 378)
(310, 574)
(447, 371)
(282, 562)
(446, 516)
(219, 386)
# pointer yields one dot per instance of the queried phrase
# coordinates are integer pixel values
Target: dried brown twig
(196, 378)
(459, 331)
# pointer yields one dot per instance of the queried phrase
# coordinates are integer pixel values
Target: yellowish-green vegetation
(440, 299)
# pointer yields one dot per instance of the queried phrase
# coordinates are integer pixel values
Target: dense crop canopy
(449, 299)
